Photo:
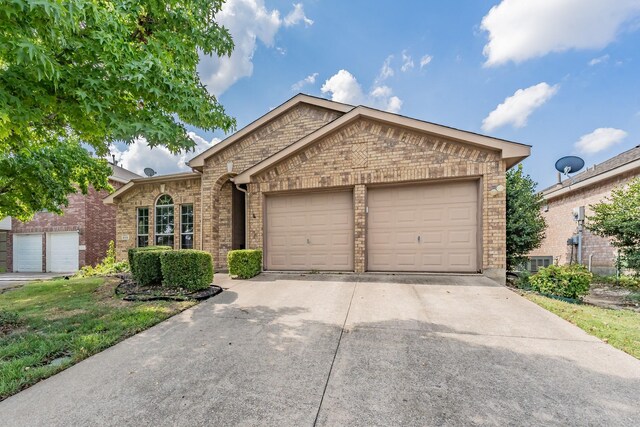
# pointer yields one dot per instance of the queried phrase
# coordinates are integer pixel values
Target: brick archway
(221, 218)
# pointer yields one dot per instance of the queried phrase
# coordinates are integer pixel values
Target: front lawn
(46, 327)
(620, 328)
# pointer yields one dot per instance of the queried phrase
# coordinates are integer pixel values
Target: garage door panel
(427, 227)
(322, 237)
(27, 252)
(62, 255)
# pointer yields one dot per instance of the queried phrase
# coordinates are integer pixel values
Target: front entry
(310, 231)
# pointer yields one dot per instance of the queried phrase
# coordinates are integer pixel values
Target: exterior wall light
(229, 167)
(497, 189)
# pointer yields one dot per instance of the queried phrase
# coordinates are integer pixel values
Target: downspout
(590, 258)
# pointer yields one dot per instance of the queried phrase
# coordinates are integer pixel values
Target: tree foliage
(525, 223)
(87, 73)
(618, 218)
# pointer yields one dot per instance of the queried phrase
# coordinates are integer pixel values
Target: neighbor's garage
(428, 227)
(27, 252)
(62, 252)
(310, 231)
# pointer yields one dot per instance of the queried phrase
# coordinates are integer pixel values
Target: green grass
(620, 328)
(66, 321)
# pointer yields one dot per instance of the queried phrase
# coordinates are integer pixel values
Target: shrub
(146, 268)
(109, 265)
(245, 263)
(132, 251)
(569, 281)
(629, 282)
(187, 268)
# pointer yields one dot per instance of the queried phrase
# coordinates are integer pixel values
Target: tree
(618, 218)
(525, 223)
(87, 73)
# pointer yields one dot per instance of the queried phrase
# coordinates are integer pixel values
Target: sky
(560, 75)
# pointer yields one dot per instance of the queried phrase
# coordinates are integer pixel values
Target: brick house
(64, 243)
(321, 185)
(580, 191)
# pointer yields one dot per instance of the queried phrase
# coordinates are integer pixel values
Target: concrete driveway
(15, 280)
(347, 350)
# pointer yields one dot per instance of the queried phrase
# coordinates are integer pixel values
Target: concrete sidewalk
(305, 350)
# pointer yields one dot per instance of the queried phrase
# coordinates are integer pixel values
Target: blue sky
(567, 72)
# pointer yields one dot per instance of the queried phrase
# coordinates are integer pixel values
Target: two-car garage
(60, 254)
(430, 227)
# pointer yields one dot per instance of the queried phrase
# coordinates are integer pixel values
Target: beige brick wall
(185, 191)
(253, 148)
(367, 152)
(561, 226)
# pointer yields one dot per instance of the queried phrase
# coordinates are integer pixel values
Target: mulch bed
(132, 292)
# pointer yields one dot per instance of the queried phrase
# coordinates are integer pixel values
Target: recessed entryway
(310, 231)
(423, 227)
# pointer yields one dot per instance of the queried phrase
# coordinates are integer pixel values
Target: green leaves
(525, 224)
(618, 218)
(96, 72)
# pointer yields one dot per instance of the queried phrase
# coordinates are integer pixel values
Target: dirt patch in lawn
(611, 296)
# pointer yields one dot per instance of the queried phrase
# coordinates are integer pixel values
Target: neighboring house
(321, 185)
(64, 243)
(580, 191)
(5, 226)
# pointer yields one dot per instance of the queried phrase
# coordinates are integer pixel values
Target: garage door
(430, 227)
(62, 252)
(312, 231)
(27, 252)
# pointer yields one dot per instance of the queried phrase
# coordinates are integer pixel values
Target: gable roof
(198, 161)
(109, 200)
(120, 174)
(623, 162)
(512, 152)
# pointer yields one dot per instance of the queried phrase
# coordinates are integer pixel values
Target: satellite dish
(149, 172)
(569, 164)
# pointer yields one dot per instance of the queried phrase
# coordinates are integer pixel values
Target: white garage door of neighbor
(311, 231)
(27, 253)
(62, 252)
(426, 227)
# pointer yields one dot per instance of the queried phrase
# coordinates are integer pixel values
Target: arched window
(164, 221)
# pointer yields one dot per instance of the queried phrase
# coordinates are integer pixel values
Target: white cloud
(309, 80)
(516, 109)
(344, 87)
(425, 60)
(599, 140)
(296, 16)
(139, 155)
(407, 62)
(599, 60)
(386, 71)
(524, 29)
(248, 21)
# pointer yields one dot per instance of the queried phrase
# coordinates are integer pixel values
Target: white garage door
(312, 231)
(431, 228)
(27, 252)
(62, 252)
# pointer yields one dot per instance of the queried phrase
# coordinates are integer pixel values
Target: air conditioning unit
(578, 213)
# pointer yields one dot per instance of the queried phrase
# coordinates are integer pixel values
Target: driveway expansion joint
(335, 354)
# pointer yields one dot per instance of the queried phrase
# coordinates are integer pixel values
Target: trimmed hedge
(145, 264)
(245, 263)
(132, 251)
(568, 281)
(187, 268)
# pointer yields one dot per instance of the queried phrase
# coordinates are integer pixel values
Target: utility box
(578, 213)
(573, 240)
